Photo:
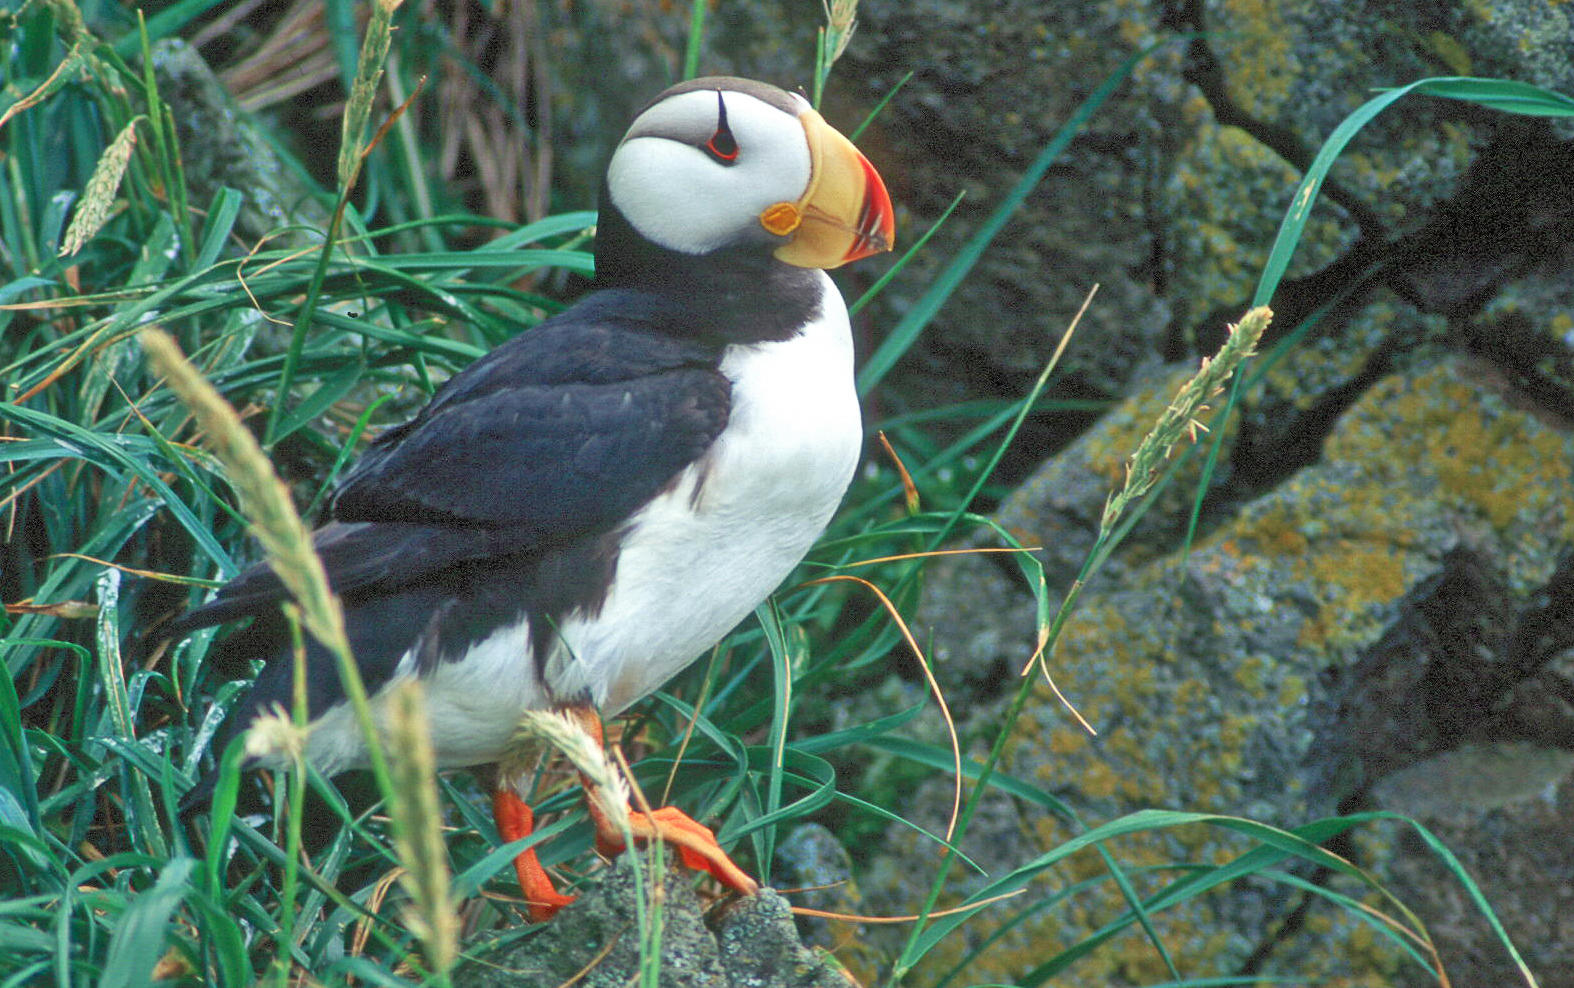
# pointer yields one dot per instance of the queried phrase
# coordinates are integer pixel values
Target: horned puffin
(582, 512)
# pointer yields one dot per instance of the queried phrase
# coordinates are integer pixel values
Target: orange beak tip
(877, 223)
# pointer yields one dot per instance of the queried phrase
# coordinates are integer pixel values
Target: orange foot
(514, 820)
(696, 844)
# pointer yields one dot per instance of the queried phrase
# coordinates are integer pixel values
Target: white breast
(700, 558)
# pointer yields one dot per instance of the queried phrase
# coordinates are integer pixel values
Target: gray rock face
(990, 88)
(1382, 631)
(812, 858)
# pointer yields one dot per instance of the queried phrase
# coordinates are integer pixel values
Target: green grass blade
(108, 453)
(782, 666)
(222, 213)
(323, 397)
(869, 118)
(169, 21)
(222, 934)
(807, 771)
(1497, 94)
(140, 935)
(342, 31)
(20, 835)
(1457, 869)
(1504, 95)
(696, 38)
(912, 252)
(869, 733)
(890, 816)
(17, 771)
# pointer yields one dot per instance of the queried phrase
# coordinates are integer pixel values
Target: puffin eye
(721, 145)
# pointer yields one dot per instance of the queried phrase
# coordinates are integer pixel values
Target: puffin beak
(844, 214)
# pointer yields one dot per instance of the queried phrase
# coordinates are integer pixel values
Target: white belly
(693, 565)
(696, 564)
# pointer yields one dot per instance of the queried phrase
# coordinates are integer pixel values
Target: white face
(672, 179)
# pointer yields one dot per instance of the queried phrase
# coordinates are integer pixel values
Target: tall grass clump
(132, 482)
(132, 486)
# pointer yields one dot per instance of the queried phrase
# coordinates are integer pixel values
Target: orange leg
(696, 844)
(514, 820)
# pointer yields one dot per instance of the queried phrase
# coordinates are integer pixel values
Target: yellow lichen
(1343, 536)
(1260, 77)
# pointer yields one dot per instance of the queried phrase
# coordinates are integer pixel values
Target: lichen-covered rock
(759, 948)
(991, 85)
(1404, 598)
(1503, 809)
(812, 858)
(605, 934)
(220, 146)
(625, 924)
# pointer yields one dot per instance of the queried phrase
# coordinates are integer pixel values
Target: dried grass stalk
(1180, 420)
(565, 732)
(98, 198)
(418, 832)
(368, 72)
(841, 19)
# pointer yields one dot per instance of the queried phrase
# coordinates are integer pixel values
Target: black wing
(558, 435)
(355, 557)
(563, 432)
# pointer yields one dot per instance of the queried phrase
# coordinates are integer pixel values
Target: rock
(1379, 572)
(991, 86)
(1438, 221)
(748, 943)
(1504, 811)
(1401, 602)
(812, 858)
(220, 146)
(759, 948)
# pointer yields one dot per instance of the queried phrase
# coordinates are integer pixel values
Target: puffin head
(722, 163)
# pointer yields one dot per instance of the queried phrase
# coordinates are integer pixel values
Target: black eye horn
(721, 145)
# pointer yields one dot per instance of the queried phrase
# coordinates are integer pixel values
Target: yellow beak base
(845, 213)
